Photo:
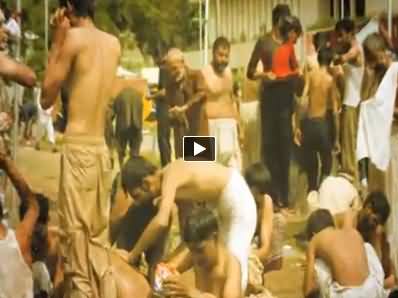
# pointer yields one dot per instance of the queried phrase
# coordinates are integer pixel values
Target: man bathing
(217, 271)
(205, 182)
(81, 57)
(341, 263)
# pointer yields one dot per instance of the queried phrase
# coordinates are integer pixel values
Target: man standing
(276, 106)
(353, 64)
(221, 109)
(128, 112)
(185, 97)
(81, 58)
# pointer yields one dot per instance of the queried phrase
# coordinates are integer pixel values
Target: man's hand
(298, 137)
(269, 76)
(61, 25)
(178, 113)
(174, 287)
(337, 148)
(3, 157)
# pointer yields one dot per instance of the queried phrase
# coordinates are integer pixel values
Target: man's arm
(266, 230)
(61, 57)
(14, 71)
(252, 73)
(26, 227)
(172, 179)
(354, 55)
(334, 97)
(309, 275)
(233, 285)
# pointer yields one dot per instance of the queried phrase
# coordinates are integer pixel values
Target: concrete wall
(377, 6)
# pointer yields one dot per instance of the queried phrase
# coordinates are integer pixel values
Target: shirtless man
(221, 109)
(371, 223)
(353, 65)
(217, 271)
(82, 57)
(339, 261)
(15, 245)
(205, 182)
(316, 131)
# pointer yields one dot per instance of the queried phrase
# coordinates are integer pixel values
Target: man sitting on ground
(188, 184)
(217, 271)
(342, 264)
(371, 222)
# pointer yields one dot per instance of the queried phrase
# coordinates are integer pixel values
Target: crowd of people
(340, 112)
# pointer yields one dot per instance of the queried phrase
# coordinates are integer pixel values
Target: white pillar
(46, 30)
(342, 9)
(206, 32)
(201, 32)
(389, 9)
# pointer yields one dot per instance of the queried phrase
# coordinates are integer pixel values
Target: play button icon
(199, 148)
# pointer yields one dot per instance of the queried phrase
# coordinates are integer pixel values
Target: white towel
(370, 28)
(375, 120)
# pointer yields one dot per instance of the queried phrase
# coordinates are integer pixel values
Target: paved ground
(41, 169)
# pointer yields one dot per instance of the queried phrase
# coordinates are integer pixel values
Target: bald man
(185, 96)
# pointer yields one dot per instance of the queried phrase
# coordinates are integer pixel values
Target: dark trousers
(317, 140)
(276, 120)
(132, 137)
(162, 115)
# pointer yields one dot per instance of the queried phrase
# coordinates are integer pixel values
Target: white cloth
(251, 126)
(45, 120)
(375, 120)
(336, 194)
(237, 215)
(15, 276)
(371, 27)
(392, 195)
(371, 288)
(227, 142)
(13, 27)
(41, 278)
(353, 79)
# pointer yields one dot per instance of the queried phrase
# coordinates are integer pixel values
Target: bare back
(319, 95)
(219, 102)
(90, 81)
(202, 181)
(344, 252)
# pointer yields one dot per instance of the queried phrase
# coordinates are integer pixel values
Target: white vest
(15, 275)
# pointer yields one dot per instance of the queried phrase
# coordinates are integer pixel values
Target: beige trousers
(84, 208)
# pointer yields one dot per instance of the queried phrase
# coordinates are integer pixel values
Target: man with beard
(185, 97)
(221, 109)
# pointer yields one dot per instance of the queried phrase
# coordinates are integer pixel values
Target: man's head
(290, 29)
(279, 12)
(345, 30)
(139, 179)
(318, 221)
(175, 64)
(200, 233)
(325, 56)
(221, 53)
(259, 180)
(375, 50)
(77, 9)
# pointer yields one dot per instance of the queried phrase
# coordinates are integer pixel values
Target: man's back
(90, 80)
(321, 83)
(343, 250)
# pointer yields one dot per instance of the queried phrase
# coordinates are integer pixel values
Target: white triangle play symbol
(197, 148)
